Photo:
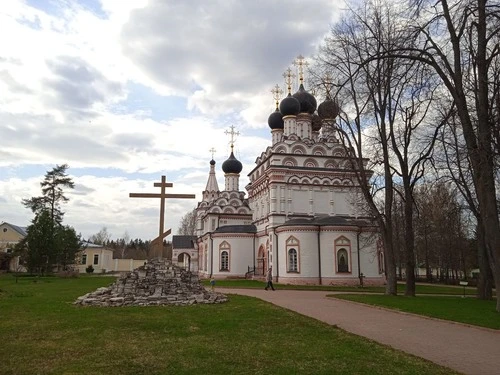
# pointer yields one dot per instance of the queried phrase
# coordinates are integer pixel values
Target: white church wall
(322, 202)
(241, 255)
(299, 201)
(305, 242)
(342, 204)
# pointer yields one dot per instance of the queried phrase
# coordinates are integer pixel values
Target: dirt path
(463, 348)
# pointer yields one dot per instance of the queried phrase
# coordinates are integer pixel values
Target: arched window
(381, 263)
(292, 260)
(224, 251)
(342, 261)
(293, 254)
(205, 258)
(224, 260)
(343, 255)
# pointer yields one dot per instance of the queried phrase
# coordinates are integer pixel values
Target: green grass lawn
(464, 310)
(43, 333)
(420, 288)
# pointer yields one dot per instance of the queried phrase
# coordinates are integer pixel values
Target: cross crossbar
(162, 195)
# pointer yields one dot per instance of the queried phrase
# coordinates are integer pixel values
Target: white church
(301, 216)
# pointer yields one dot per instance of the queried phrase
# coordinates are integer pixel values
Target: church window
(292, 250)
(292, 260)
(343, 255)
(224, 261)
(205, 258)
(84, 259)
(96, 258)
(381, 264)
(342, 262)
(224, 250)
(213, 224)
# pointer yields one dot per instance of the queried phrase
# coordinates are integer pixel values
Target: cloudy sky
(124, 91)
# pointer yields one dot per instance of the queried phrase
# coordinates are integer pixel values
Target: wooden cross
(158, 241)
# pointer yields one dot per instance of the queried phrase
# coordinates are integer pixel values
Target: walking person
(269, 279)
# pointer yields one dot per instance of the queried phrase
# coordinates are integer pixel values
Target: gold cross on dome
(277, 92)
(232, 133)
(212, 150)
(300, 62)
(328, 83)
(289, 76)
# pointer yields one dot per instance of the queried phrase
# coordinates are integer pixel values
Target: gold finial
(328, 84)
(300, 62)
(232, 133)
(289, 76)
(212, 150)
(277, 92)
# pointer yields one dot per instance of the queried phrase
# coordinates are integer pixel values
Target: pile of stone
(158, 282)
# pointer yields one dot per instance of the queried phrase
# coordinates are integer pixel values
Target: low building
(10, 235)
(102, 261)
(185, 253)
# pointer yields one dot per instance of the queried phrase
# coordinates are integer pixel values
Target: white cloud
(67, 76)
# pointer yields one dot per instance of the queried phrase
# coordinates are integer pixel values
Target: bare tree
(458, 39)
(123, 244)
(457, 167)
(365, 92)
(101, 237)
(388, 112)
(187, 226)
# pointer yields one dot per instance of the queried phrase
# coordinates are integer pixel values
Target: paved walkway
(466, 349)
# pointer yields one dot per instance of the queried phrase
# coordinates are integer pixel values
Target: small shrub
(68, 274)
(89, 269)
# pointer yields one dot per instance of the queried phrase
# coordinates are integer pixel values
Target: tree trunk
(484, 284)
(409, 241)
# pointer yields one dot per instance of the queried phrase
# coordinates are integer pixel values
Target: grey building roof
(331, 220)
(88, 244)
(237, 229)
(18, 229)
(183, 242)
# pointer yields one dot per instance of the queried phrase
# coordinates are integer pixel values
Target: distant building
(184, 252)
(102, 261)
(10, 235)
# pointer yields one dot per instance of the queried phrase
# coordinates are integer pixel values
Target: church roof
(212, 180)
(331, 220)
(237, 229)
(183, 242)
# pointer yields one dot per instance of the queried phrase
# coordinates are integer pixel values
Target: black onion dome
(275, 120)
(212, 162)
(316, 123)
(329, 109)
(307, 101)
(232, 165)
(290, 106)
